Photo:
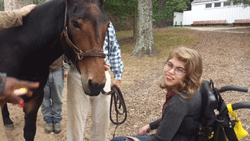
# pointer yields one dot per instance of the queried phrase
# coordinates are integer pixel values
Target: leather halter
(96, 52)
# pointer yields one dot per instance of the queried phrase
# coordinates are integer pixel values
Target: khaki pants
(3, 136)
(77, 109)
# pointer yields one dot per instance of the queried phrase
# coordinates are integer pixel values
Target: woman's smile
(169, 78)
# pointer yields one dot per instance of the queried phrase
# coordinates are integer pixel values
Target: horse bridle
(115, 93)
(96, 52)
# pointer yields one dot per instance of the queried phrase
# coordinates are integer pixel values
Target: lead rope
(116, 96)
(119, 105)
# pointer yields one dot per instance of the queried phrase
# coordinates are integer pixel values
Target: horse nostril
(91, 85)
(95, 87)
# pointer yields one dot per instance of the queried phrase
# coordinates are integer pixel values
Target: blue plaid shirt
(113, 53)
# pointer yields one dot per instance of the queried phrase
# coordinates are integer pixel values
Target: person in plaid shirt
(78, 102)
(113, 55)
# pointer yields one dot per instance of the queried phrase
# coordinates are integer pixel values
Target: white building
(212, 10)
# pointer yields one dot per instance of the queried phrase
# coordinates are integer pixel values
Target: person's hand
(106, 66)
(65, 74)
(27, 9)
(132, 138)
(144, 130)
(12, 84)
(117, 83)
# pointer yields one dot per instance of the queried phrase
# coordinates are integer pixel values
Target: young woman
(182, 73)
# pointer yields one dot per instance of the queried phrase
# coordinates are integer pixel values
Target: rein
(119, 103)
(96, 52)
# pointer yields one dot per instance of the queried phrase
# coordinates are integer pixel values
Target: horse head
(86, 26)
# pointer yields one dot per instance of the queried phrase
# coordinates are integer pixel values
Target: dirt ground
(226, 60)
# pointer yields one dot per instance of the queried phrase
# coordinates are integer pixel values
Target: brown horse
(74, 27)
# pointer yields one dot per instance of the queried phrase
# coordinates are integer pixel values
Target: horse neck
(51, 14)
(48, 20)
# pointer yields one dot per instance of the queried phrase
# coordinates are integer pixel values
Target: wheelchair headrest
(209, 102)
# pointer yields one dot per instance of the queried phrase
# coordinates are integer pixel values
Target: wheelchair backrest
(209, 101)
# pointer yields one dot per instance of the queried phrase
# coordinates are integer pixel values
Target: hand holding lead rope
(119, 105)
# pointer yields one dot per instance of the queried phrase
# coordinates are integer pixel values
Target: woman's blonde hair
(193, 67)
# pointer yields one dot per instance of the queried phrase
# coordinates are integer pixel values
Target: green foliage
(165, 8)
(161, 8)
(1, 5)
(237, 2)
(120, 8)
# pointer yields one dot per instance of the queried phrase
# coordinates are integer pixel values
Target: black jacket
(176, 110)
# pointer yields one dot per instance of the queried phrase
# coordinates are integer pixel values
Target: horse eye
(75, 24)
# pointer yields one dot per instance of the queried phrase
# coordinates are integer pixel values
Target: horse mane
(98, 2)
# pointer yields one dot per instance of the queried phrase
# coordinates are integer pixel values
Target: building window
(226, 3)
(209, 5)
(218, 4)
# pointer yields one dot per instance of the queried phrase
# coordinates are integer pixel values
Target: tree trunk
(145, 39)
(15, 4)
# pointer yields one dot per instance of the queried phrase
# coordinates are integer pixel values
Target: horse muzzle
(93, 89)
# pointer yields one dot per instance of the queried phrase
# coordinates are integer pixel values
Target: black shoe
(57, 128)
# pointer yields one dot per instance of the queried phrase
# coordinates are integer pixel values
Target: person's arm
(114, 55)
(10, 19)
(14, 18)
(154, 125)
(151, 126)
(2, 82)
(174, 113)
(66, 65)
(66, 68)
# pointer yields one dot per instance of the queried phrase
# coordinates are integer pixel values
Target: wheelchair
(215, 123)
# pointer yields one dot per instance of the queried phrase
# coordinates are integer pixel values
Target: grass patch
(126, 41)
(165, 39)
(165, 42)
(128, 33)
(179, 28)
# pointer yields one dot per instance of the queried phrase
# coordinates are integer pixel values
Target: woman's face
(174, 72)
